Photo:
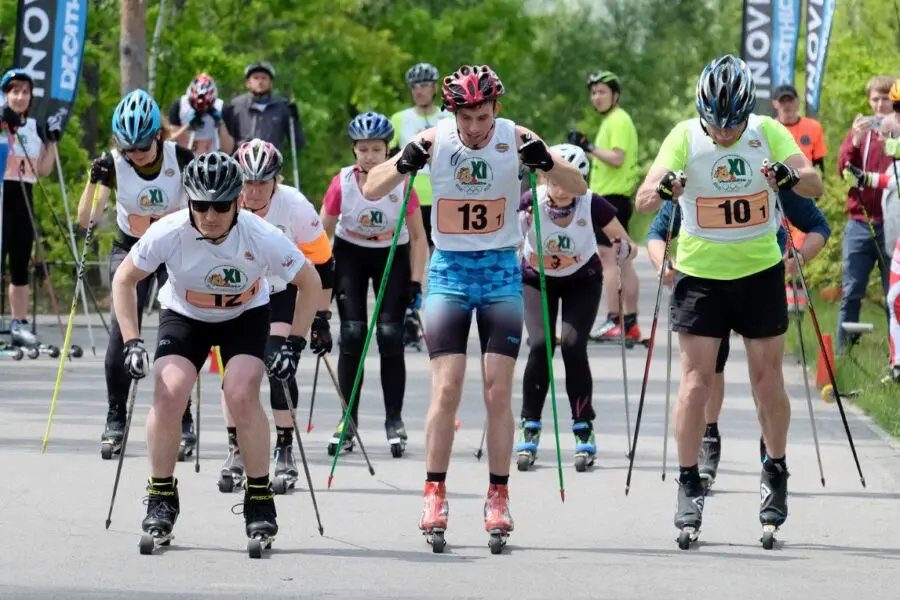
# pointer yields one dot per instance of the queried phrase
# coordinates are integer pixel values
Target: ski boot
(710, 452)
(259, 517)
(285, 469)
(111, 440)
(689, 512)
(773, 510)
(412, 336)
(232, 473)
(162, 512)
(347, 446)
(21, 336)
(585, 445)
(188, 440)
(435, 513)
(529, 438)
(396, 436)
(497, 520)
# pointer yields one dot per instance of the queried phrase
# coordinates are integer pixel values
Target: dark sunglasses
(202, 206)
(142, 148)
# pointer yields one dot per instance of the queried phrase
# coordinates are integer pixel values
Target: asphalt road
(840, 541)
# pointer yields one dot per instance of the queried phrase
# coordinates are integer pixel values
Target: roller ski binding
(163, 508)
(710, 453)
(188, 441)
(497, 520)
(111, 440)
(435, 513)
(285, 469)
(49, 349)
(412, 336)
(529, 439)
(773, 508)
(231, 476)
(21, 336)
(259, 516)
(689, 513)
(585, 445)
(347, 446)
(395, 431)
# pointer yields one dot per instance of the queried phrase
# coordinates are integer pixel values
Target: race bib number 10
(470, 216)
(733, 212)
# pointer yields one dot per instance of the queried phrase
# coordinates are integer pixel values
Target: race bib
(378, 237)
(19, 167)
(470, 216)
(554, 262)
(201, 300)
(733, 212)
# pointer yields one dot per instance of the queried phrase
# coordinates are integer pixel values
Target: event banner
(769, 33)
(819, 15)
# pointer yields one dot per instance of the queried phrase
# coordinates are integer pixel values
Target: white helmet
(574, 155)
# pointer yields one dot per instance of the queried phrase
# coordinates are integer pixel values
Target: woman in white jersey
(217, 257)
(363, 230)
(196, 118)
(28, 150)
(572, 227)
(287, 209)
(145, 173)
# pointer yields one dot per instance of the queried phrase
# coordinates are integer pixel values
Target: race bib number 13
(470, 216)
(733, 212)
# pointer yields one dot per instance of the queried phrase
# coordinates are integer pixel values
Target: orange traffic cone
(822, 378)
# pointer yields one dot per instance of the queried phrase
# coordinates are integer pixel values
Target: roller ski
(710, 453)
(259, 516)
(611, 333)
(188, 441)
(163, 508)
(231, 476)
(585, 445)
(435, 513)
(773, 509)
(9, 351)
(689, 512)
(395, 431)
(111, 440)
(285, 469)
(497, 520)
(22, 337)
(348, 444)
(412, 335)
(527, 447)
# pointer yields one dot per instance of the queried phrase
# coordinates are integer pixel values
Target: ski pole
(548, 335)
(371, 330)
(480, 452)
(312, 492)
(668, 396)
(345, 407)
(112, 501)
(197, 432)
(68, 337)
(624, 362)
(312, 401)
(662, 272)
(191, 141)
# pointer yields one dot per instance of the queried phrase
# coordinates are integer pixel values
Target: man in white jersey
(217, 258)
(730, 270)
(475, 161)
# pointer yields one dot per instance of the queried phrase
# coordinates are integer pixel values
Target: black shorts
(283, 303)
(17, 237)
(624, 209)
(192, 339)
(722, 356)
(754, 306)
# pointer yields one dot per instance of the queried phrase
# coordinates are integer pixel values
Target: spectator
(196, 118)
(863, 148)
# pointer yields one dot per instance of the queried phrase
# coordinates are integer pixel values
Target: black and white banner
(819, 15)
(769, 33)
(49, 45)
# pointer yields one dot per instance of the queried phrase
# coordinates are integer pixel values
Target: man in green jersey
(730, 275)
(614, 175)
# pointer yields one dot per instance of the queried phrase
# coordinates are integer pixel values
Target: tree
(133, 45)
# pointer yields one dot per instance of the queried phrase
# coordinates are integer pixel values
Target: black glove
(785, 177)
(102, 170)
(216, 115)
(53, 129)
(414, 157)
(414, 295)
(320, 333)
(534, 154)
(11, 119)
(664, 187)
(576, 138)
(137, 362)
(282, 364)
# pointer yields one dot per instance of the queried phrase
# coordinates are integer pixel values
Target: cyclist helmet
(470, 86)
(607, 77)
(135, 121)
(726, 94)
(259, 160)
(422, 73)
(202, 93)
(370, 126)
(213, 177)
(574, 155)
(15, 75)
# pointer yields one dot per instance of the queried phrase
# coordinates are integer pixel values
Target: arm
(418, 257)
(849, 153)
(124, 293)
(614, 230)
(810, 184)
(807, 217)
(226, 142)
(47, 159)
(309, 295)
(331, 206)
(562, 172)
(614, 157)
(85, 215)
(385, 177)
(659, 228)
(647, 198)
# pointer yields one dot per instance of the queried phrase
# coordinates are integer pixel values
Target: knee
(768, 384)
(278, 399)
(573, 345)
(390, 339)
(169, 398)
(353, 337)
(498, 391)
(447, 391)
(242, 395)
(696, 388)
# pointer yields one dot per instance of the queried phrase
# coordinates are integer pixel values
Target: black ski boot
(111, 440)
(188, 440)
(348, 444)
(285, 468)
(163, 509)
(689, 513)
(395, 431)
(773, 490)
(710, 453)
(259, 517)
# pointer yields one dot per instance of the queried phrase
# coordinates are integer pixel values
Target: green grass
(862, 368)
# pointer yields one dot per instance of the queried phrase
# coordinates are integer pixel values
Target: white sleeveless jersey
(295, 217)
(140, 202)
(21, 158)
(206, 139)
(369, 223)
(566, 248)
(216, 282)
(476, 192)
(409, 123)
(726, 197)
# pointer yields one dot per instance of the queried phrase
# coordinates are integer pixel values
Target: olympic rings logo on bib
(201, 300)
(481, 216)
(733, 212)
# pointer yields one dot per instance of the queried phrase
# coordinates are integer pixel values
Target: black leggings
(18, 232)
(354, 267)
(580, 300)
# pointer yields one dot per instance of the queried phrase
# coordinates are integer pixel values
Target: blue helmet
(135, 120)
(371, 126)
(726, 94)
(15, 75)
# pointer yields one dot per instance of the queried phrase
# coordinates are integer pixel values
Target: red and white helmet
(202, 93)
(470, 86)
(259, 159)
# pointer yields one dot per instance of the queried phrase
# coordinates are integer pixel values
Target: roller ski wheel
(230, 481)
(524, 461)
(768, 536)
(153, 540)
(436, 540)
(109, 450)
(828, 394)
(687, 536)
(13, 353)
(283, 483)
(397, 449)
(76, 351)
(185, 451)
(333, 447)
(111, 440)
(258, 544)
(583, 462)
(50, 350)
(33, 352)
(497, 541)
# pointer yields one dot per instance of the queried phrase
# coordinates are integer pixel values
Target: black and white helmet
(574, 155)
(213, 177)
(260, 160)
(422, 73)
(726, 94)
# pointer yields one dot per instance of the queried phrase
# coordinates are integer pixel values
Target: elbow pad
(326, 273)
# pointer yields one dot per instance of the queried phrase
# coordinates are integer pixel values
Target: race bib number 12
(470, 216)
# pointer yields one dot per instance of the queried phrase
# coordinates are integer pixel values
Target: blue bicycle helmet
(371, 126)
(135, 120)
(15, 75)
(726, 94)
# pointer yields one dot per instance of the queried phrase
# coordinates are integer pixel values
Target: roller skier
(196, 118)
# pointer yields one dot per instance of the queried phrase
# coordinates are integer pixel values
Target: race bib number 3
(201, 300)
(470, 216)
(554, 262)
(733, 212)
